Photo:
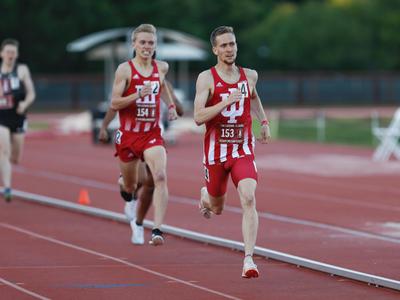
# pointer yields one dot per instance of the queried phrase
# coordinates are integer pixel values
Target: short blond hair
(11, 42)
(143, 28)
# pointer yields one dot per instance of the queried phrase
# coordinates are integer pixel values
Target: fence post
(321, 126)
(274, 120)
(374, 123)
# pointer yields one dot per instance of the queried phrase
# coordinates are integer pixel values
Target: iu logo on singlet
(146, 107)
(231, 131)
(231, 112)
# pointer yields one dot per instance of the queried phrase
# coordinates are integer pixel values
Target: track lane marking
(284, 219)
(279, 218)
(30, 293)
(280, 192)
(89, 251)
(234, 245)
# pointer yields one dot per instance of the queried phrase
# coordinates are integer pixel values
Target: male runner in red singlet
(136, 97)
(225, 96)
(136, 209)
(16, 94)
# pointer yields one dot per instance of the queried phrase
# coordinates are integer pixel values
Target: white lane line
(346, 183)
(72, 246)
(295, 194)
(330, 199)
(284, 219)
(184, 200)
(218, 241)
(278, 218)
(317, 196)
(59, 267)
(342, 183)
(68, 178)
(10, 284)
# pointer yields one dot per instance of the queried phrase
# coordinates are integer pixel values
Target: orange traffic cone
(84, 197)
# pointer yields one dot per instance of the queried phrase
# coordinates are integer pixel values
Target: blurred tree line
(272, 34)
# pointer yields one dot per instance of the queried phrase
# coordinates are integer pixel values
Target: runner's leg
(213, 195)
(246, 189)
(17, 142)
(145, 194)
(156, 159)
(129, 172)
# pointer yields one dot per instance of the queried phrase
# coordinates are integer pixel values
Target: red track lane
(64, 255)
(59, 166)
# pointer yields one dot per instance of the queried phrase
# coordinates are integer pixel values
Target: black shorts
(17, 124)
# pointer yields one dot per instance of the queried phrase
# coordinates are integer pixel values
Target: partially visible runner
(225, 97)
(16, 94)
(136, 97)
(136, 211)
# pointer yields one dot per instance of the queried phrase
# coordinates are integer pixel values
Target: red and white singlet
(142, 115)
(229, 134)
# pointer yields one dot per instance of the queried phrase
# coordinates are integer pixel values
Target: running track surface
(333, 220)
(65, 255)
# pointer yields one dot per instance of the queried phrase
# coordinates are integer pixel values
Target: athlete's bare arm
(163, 68)
(103, 133)
(204, 89)
(25, 75)
(256, 105)
(168, 89)
(121, 82)
(167, 98)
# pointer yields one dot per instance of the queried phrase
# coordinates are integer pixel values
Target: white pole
(321, 126)
(374, 122)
